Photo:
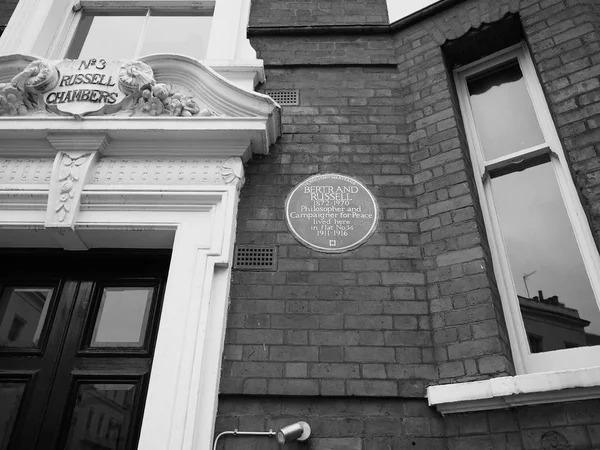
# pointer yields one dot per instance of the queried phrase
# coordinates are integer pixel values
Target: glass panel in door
(11, 394)
(23, 312)
(101, 416)
(122, 317)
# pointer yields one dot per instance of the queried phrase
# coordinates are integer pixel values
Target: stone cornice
(202, 136)
(69, 141)
(226, 112)
(146, 172)
(164, 171)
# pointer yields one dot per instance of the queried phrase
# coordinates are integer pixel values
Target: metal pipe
(243, 433)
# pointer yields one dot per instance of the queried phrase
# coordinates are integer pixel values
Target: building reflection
(22, 314)
(550, 325)
(101, 417)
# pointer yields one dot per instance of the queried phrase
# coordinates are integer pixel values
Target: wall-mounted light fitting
(299, 431)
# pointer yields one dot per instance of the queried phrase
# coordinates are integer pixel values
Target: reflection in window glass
(536, 343)
(117, 37)
(555, 295)
(11, 394)
(22, 315)
(184, 35)
(108, 37)
(503, 112)
(109, 408)
(122, 317)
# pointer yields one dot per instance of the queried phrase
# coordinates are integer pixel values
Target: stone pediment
(155, 85)
(183, 99)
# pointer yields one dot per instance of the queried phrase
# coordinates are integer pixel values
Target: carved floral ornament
(88, 87)
(67, 177)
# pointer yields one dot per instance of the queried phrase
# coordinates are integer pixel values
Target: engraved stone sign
(85, 86)
(331, 213)
(93, 87)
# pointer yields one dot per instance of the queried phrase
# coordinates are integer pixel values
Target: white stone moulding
(165, 171)
(147, 182)
(198, 223)
(519, 390)
(199, 226)
(69, 173)
(46, 28)
(230, 109)
(56, 186)
(36, 173)
(25, 171)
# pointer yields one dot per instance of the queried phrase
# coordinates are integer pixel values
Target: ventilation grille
(255, 257)
(285, 98)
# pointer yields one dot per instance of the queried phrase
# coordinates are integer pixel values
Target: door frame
(122, 181)
(199, 228)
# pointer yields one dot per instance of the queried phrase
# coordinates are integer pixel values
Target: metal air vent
(288, 97)
(255, 257)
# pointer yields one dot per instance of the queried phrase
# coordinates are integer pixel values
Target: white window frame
(61, 45)
(525, 361)
(45, 28)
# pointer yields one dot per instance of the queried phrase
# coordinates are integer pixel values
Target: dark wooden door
(77, 334)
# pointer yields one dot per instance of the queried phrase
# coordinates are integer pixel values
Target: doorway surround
(146, 182)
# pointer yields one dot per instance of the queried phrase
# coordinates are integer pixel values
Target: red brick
(369, 354)
(293, 387)
(415, 303)
(372, 387)
(473, 348)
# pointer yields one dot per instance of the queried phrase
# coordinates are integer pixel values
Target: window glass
(185, 35)
(101, 417)
(11, 394)
(118, 36)
(107, 36)
(22, 315)
(554, 292)
(503, 112)
(536, 343)
(122, 317)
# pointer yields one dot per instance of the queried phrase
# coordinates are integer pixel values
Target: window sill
(520, 390)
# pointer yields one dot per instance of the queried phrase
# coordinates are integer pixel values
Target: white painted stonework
(520, 390)
(45, 28)
(120, 181)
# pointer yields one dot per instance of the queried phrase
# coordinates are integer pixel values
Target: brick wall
(468, 327)
(349, 49)
(355, 323)
(563, 38)
(315, 13)
(417, 304)
(399, 424)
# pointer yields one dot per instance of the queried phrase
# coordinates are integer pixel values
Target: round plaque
(331, 213)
